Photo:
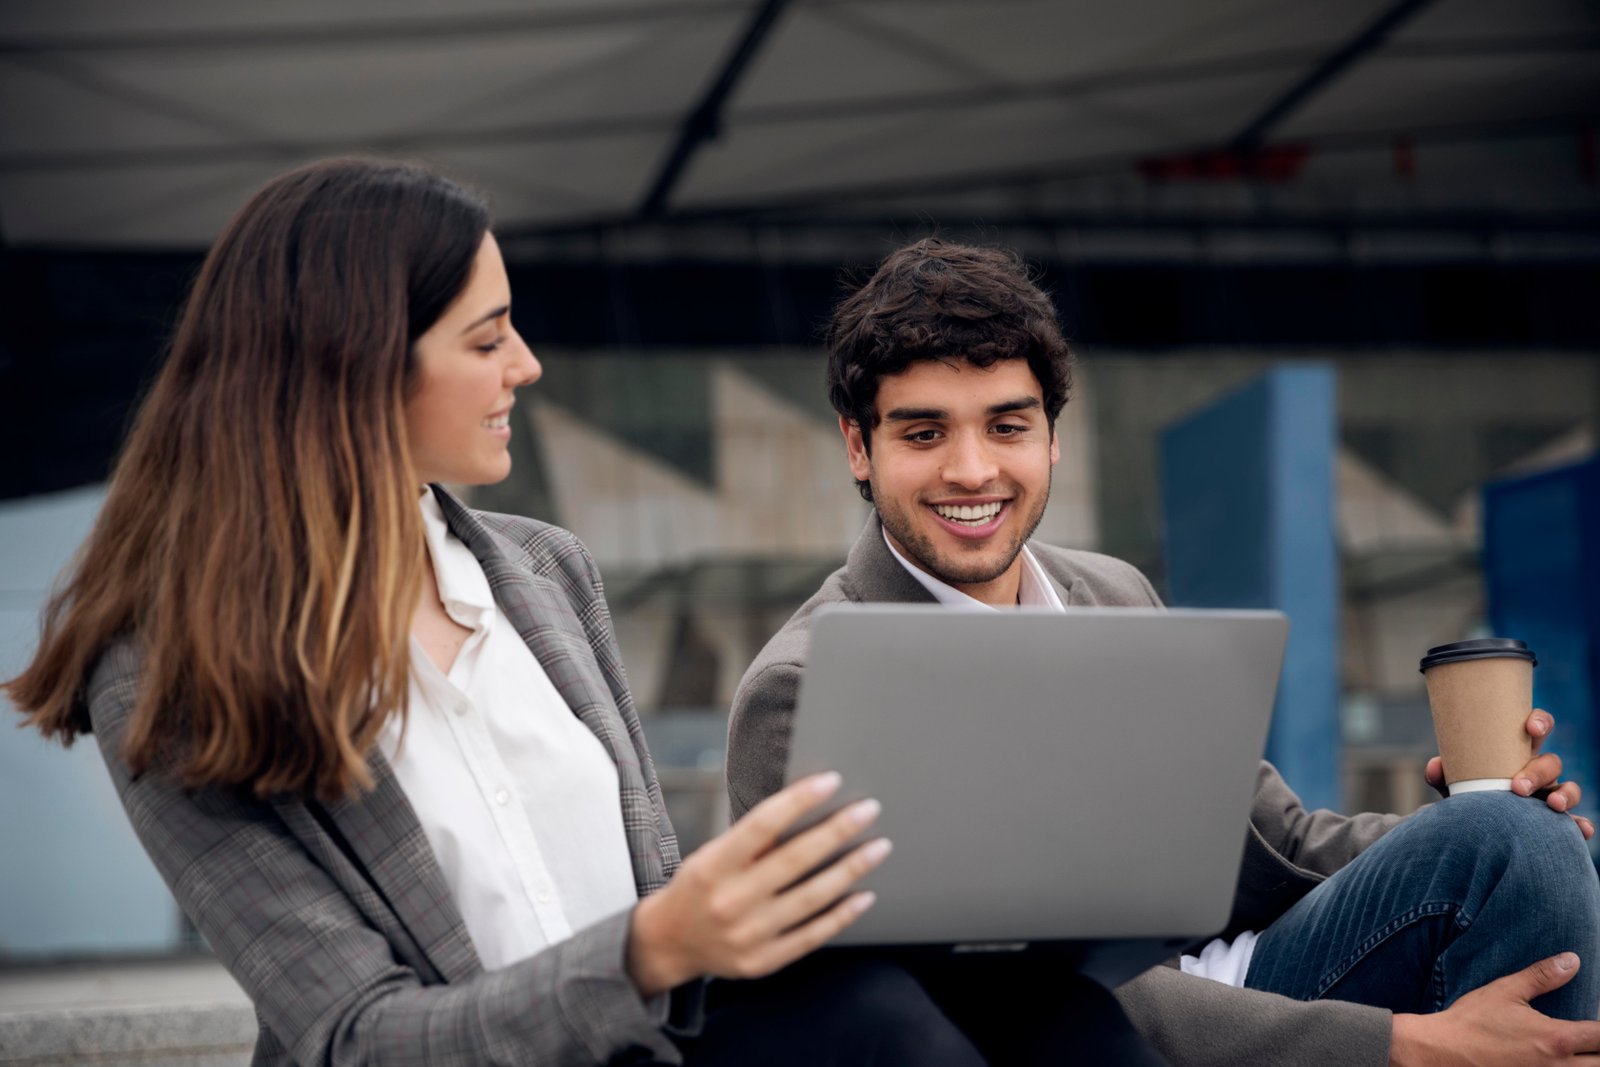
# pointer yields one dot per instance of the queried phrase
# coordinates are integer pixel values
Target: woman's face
(468, 364)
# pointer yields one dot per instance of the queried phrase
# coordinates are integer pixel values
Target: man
(1366, 939)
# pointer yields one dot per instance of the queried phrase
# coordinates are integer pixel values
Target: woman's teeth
(498, 422)
(970, 515)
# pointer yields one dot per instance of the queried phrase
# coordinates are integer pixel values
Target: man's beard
(920, 547)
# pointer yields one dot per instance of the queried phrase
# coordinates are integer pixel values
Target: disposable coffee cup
(1481, 693)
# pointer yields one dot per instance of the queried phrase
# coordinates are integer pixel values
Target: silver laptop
(1076, 782)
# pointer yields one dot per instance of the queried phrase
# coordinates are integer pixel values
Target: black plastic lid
(1481, 648)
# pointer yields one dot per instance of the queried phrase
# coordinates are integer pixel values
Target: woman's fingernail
(1566, 961)
(864, 811)
(1524, 786)
(875, 851)
(825, 783)
(862, 901)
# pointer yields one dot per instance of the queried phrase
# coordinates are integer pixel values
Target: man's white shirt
(1036, 590)
(1219, 960)
(516, 797)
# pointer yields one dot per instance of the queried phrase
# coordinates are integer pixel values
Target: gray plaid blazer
(336, 918)
(1194, 1022)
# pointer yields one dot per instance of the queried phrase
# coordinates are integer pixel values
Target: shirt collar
(1035, 590)
(463, 588)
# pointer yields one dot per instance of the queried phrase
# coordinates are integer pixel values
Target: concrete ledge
(169, 1013)
(217, 1035)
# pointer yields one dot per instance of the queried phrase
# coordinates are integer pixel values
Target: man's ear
(855, 447)
(1055, 446)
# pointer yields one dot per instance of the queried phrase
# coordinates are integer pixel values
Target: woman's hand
(737, 907)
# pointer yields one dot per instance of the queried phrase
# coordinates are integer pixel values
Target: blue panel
(1541, 536)
(1305, 741)
(65, 840)
(1248, 499)
(1215, 473)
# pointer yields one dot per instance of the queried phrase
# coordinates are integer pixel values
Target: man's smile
(969, 521)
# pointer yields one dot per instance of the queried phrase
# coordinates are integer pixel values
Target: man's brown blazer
(1194, 1022)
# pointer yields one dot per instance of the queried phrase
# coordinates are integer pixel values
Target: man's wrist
(1408, 1046)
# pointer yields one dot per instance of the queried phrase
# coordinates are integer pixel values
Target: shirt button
(461, 707)
(502, 797)
(542, 896)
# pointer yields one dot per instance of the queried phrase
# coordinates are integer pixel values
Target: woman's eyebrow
(489, 317)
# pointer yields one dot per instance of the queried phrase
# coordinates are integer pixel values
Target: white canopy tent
(144, 125)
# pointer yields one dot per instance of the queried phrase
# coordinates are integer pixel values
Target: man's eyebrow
(1022, 403)
(489, 317)
(914, 414)
(1026, 403)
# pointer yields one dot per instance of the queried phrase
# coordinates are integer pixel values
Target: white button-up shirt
(517, 798)
(1035, 590)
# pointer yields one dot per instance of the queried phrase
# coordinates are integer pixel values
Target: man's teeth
(498, 422)
(972, 515)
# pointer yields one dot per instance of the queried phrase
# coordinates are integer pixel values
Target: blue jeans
(1467, 891)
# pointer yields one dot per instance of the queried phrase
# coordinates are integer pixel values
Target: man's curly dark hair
(949, 302)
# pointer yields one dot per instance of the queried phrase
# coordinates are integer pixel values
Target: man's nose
(970, 463)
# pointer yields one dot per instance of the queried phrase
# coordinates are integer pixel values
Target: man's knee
(1498, 819)
(1515, 838)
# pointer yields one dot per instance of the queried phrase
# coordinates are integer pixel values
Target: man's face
(960, 469)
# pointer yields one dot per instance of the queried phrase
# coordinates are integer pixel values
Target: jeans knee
(1504, 822)
(1517, 843)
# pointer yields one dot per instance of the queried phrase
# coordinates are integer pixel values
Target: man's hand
(738, 907)
(1542, 775)
(1495, 1026)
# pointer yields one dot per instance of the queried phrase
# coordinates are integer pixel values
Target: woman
(380, 745)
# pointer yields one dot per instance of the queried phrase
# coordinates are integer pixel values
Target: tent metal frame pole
(704, 122)
(1251, 136)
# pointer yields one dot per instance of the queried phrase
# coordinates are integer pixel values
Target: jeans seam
(1462, 921)
(1332, 977)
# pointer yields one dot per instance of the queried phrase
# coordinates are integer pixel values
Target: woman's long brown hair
(260, 539)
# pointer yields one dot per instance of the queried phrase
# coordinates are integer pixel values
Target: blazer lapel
(540, 614)
(1075, 594)
(875, 576)
(380, 831)
(544, 618)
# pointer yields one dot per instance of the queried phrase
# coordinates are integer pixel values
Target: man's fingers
(1433, 774)
(1434, 771)
(1585, 827)
(1540, 723)
(1550, 973)
(1582, 1036)
(763, 824)
(1541, 772)
(1564, 797)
